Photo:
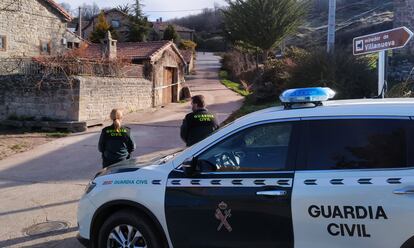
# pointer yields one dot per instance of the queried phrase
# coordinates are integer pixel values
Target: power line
(184, 10)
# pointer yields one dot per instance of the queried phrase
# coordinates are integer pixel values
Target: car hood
(137, 163)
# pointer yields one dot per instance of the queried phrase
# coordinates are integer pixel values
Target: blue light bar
(307, 95)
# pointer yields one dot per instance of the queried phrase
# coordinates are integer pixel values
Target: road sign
(382, 41)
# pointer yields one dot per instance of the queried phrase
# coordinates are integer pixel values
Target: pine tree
(171, 34)
(262, 24)
(101, 28)
(138, 24)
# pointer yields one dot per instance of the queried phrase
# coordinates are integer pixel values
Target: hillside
(354, 18)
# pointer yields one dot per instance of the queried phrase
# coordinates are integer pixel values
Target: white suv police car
(337, 174)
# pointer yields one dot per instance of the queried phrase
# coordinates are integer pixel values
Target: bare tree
(90, 10)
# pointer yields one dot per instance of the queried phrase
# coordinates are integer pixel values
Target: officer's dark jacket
(116, 145)
(197, 126)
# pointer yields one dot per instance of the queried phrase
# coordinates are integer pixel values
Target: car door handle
(272, 193)
(404, 191)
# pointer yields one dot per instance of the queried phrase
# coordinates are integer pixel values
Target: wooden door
(168, 81)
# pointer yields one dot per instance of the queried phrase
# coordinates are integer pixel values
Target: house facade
(120, 20)
(116, 18)
(30, 28)
(163, 64)
(184, 33)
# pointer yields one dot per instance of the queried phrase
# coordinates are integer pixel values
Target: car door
(246, 202)
(354, 184)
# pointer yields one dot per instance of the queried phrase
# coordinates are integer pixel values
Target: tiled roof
(163, 26)
(59, 9)
(129, 50)
(140, 50)
(91, 51)
(187, 54)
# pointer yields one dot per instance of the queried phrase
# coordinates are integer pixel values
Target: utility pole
(80, 22)
(331, 26)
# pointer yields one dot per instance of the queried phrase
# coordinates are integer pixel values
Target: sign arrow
(382, 41)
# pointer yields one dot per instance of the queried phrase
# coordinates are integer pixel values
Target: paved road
(45, 184)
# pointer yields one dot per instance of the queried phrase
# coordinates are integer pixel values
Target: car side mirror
(189, 166)
(192, 166)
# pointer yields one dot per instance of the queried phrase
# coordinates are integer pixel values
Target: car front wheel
(125, 229)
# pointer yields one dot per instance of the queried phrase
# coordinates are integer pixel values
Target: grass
(248, 107)
(17, 147)
(236, 87)
(57, 134)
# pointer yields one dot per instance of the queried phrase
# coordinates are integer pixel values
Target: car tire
(123, 222)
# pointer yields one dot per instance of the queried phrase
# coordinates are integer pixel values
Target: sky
(156, 5)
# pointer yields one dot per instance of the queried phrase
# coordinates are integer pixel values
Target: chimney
(80, 22)
(109, 47)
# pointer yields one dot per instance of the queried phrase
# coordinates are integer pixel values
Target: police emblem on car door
(241, 197)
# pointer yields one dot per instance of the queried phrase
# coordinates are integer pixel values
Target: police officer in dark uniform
(199, 124)
(115, 143)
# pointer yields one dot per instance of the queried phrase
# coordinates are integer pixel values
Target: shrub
(404, 89)
(276, 75)
(350, 76)
(223, 74)
(236, 63)
(187, 45)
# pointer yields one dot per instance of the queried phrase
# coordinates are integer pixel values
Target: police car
(312, 173)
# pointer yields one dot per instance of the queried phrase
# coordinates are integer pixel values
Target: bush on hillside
(405, 89)
(276, 76)
(350, 76)
(236, 63)
(187, 45)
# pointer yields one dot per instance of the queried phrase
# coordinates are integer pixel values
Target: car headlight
(90, 187)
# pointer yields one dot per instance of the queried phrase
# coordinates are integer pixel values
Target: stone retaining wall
(81, 99)
(98, 96)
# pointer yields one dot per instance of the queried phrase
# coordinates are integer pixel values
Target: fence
(31, 67)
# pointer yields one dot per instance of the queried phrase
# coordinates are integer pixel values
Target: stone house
(32, 28)
(119, 21)
(184, 33)
(116, 18)
(162, 61)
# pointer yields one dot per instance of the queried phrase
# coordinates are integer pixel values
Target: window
(45, 47)
(70, 45)
(3, 43)
(259, 148)
(357, 144)
(115, 23)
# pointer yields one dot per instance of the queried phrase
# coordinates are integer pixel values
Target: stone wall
(25, 97)
(82, 99)
(98, 96)
(27, 23)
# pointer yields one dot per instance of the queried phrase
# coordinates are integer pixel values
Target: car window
(259, 148)
(357, 144)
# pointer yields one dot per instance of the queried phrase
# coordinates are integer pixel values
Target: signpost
(382, 42)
